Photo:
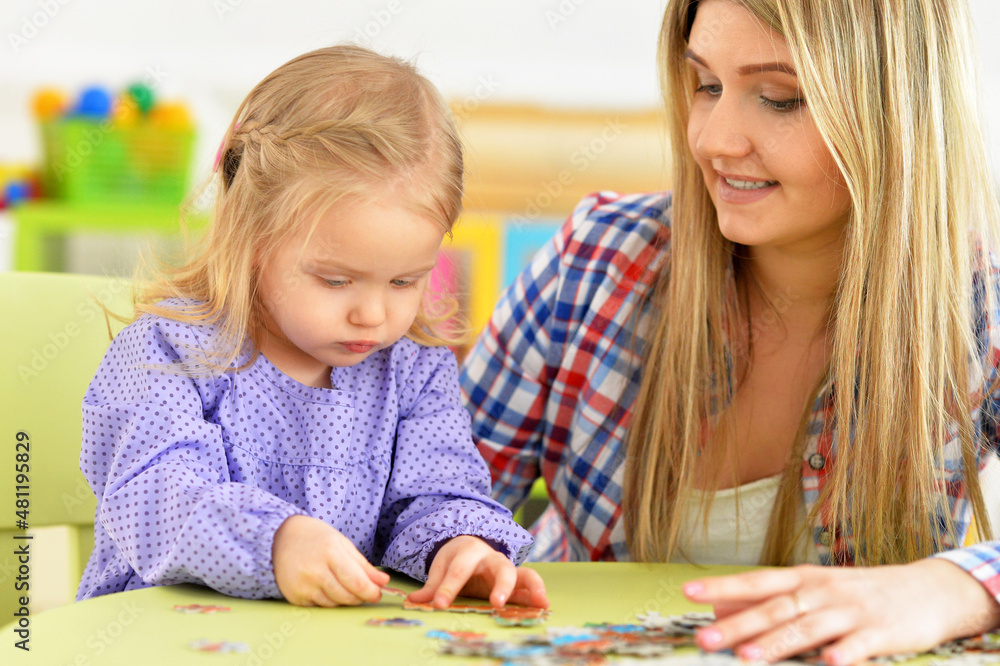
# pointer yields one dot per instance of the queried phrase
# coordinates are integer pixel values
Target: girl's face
(350, 288)
(772, 179)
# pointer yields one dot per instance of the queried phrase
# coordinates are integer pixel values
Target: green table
(42, 225)
(141, 627)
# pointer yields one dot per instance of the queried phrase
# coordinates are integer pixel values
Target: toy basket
(96, 161)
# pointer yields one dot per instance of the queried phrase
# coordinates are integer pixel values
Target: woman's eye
(782, 104)
(713, 89)
(403, 283)
(336, 283)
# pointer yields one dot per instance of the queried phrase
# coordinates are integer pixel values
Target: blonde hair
(891, 87)
(336, 122)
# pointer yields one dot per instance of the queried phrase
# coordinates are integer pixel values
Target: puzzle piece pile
(654, 636)
(982, 650)
(649, 642)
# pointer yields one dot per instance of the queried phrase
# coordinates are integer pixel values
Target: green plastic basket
(95, 161)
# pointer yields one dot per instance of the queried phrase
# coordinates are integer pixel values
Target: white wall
(591, 53)
(595, 53)
(986, 14)
(211, 52)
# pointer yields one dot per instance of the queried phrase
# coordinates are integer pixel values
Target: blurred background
(554, 98)
(550, 105)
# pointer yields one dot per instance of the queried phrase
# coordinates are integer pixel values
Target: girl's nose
(369, 311)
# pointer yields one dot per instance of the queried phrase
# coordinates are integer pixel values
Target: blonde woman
(792, 359)
(282, 416)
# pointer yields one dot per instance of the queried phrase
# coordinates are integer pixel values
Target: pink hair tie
(218, 153)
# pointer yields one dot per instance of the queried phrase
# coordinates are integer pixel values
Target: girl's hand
(856, 613)
(469, 566)
(315, 565)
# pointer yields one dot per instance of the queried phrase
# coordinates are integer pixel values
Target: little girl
(282, 414)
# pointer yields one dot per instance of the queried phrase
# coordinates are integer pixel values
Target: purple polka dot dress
(194, 474)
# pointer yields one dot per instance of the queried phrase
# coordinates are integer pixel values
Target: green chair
(535, 504)
(54, 333)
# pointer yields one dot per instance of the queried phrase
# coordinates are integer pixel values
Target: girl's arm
(159, 471)
(439, 485)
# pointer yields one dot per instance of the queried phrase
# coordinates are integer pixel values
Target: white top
(727, 543)
(989, 480)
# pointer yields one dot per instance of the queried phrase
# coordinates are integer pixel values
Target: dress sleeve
(159, 471)
(506, 377)
(982, 561)
(439, 486)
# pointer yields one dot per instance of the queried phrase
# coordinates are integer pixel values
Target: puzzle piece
(685, 624)
(454, 608)
(456, 635)
(204, 645)
(967, 659)
(394, 591)
(520, 612)
(508, 616)
(519, 622)
(520, 616)
(988, 642)
(394, 622)
(192, 609)
(469, 648)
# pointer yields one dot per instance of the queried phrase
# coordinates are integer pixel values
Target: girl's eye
(783, 104)
(712, 89)
(403, 283)
(336, 283)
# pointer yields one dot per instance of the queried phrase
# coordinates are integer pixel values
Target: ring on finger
(801, 607)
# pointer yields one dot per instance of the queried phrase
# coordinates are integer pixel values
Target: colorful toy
(142, 95)
(48, 103)
(125, 111)
(18, 184)
(171, 114)
(122, 147)
(94, 102)
(15, 192)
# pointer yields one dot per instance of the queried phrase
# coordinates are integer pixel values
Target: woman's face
(771, 177)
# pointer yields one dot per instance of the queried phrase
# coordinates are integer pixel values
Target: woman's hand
(856, 612)
(469, 566)
(315, 565)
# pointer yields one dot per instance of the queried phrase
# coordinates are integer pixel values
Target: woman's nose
(721, 130)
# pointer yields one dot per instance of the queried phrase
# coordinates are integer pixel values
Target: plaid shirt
(551, 383)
